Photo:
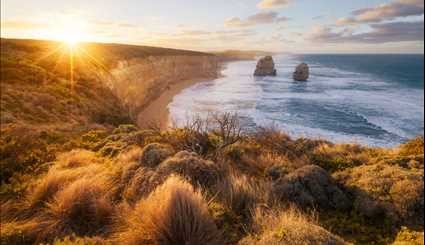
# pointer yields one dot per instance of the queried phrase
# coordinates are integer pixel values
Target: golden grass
(173, 214)
(290, 227)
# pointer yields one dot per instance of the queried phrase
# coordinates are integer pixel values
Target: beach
(156, 114)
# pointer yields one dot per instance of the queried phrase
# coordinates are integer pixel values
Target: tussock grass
(83, 208)
(288, 226)
(173, 214)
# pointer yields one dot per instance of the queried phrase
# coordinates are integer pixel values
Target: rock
(265, 67)
(301, 72)
(311, 186)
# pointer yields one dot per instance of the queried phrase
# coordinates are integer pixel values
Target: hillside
(43, 105)
(76, 169)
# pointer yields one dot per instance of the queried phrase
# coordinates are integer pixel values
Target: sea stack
(265, 67)
(302, 72)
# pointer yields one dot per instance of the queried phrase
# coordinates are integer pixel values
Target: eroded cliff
(137, 82)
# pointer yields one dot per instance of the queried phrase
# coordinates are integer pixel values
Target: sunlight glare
(71, 31)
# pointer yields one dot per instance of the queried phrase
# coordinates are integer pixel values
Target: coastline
(156, 114)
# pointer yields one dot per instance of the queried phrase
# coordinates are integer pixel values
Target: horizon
(278, 26)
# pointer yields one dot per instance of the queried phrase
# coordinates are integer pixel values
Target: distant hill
(232, 55)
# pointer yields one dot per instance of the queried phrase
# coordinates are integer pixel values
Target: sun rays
(72, 59)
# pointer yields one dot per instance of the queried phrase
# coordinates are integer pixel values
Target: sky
(300, 26)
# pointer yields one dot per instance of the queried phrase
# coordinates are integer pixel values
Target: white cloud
(269, 4)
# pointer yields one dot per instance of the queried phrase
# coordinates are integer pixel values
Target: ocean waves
(336, 104)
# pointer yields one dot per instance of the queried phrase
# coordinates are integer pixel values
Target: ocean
(375, 100)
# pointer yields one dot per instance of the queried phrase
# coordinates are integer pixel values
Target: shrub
(74, 240)
(173, 214)
(339, 157)
(125, 129)
(391, 190)
(311, 186)
(408, 237)
(193, 167)
(412, 147)
(153, 154)
(288, 227)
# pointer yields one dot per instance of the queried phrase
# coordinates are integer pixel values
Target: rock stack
(301, 72)
(265, 67)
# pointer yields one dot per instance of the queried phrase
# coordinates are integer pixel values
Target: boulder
(302, 72)
(265, 67)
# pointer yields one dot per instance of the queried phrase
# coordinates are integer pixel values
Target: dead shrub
(173, 214)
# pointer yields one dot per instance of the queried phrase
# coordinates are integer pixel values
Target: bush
(153, 154)
(384, 189)
(288, 227)
(412, 147)
(311, 186)
(408, 237)
(173, 214)
(193, 167)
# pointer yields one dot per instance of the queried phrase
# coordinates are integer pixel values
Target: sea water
(376, 100)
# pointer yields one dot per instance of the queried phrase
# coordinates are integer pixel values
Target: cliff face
(137, 82)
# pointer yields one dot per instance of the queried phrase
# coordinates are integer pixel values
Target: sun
(71, 31)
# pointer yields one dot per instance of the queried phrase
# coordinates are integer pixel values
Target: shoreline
(156, 114)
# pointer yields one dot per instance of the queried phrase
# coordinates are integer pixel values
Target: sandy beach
(157, 113)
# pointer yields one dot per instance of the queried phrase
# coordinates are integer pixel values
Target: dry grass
(173, 214)
(83, 208)
(288, 227)
(241, 193)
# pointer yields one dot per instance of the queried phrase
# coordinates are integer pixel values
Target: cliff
(137, 82)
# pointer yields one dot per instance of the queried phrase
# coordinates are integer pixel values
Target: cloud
(269, 4)
(398, 8)
(379, 33)
(256, 19)
(22, 25)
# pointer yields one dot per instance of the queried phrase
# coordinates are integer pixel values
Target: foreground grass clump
(288, 227)
(173, 214)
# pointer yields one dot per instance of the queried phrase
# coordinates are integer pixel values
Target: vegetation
(81, 178)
